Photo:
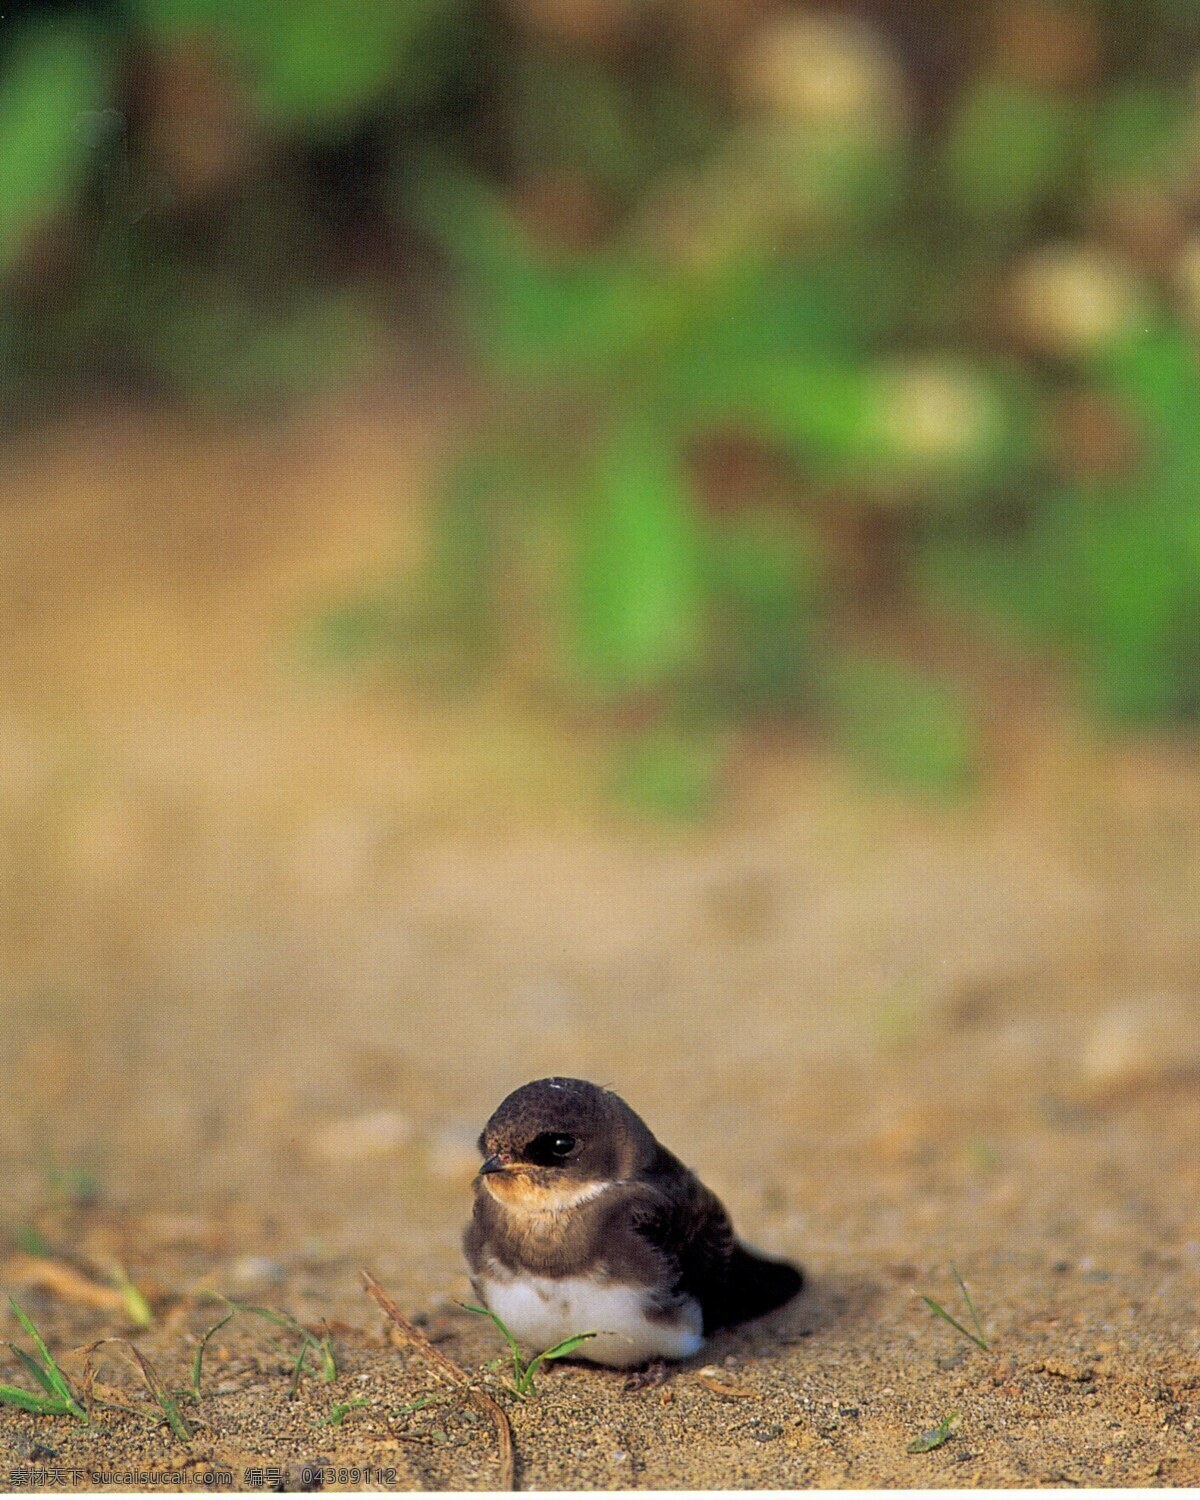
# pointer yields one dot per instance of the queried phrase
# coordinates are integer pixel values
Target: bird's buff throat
(519, 1193)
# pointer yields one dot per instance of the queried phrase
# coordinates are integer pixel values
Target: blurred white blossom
(1074, 299)
(823, 71)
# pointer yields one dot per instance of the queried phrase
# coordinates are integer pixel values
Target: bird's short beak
(493, 1164)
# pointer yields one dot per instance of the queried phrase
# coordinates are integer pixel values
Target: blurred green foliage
(310, 65)
(788, 335)
(51, 75)
(1009, 149)
(1109, 568)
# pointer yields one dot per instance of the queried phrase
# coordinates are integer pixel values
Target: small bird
(584, 1223)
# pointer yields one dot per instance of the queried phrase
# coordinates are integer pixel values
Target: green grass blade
(43, 1406)
(941, 1312)
(137, 1309)
(298, 1367)
(281, 1320)
(488, 1313)
(418, 1405)
(166, 1401)
(962, 1286)
(198, 1357)
(307, 1341)
(523, 1373)
(57, 1384)
(340, 1410)
(568, 1346)
(175, 1418)
(58, 1381)
(936, 1436)
(556, 1351)
(35, 1370)
(520, 1370)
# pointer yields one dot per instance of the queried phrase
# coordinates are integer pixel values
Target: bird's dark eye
(550, 1149)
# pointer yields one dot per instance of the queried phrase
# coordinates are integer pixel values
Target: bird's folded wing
(686, 1223)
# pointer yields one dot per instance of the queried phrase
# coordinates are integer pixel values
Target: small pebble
(257, 1270)
(1142, 1041)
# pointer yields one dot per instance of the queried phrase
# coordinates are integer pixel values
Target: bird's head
(559, 1141)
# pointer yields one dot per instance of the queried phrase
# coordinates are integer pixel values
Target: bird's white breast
(541, 1311)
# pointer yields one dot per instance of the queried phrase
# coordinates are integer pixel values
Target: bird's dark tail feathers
(752, 1285)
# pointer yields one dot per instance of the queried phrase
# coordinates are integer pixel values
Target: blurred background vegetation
(794, 341)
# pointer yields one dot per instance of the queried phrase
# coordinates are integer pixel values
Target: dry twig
(453, 1372)
(61, 1280)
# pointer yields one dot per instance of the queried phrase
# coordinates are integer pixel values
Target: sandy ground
(275, 943)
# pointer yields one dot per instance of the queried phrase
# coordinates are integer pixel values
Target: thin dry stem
(455, 1373)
